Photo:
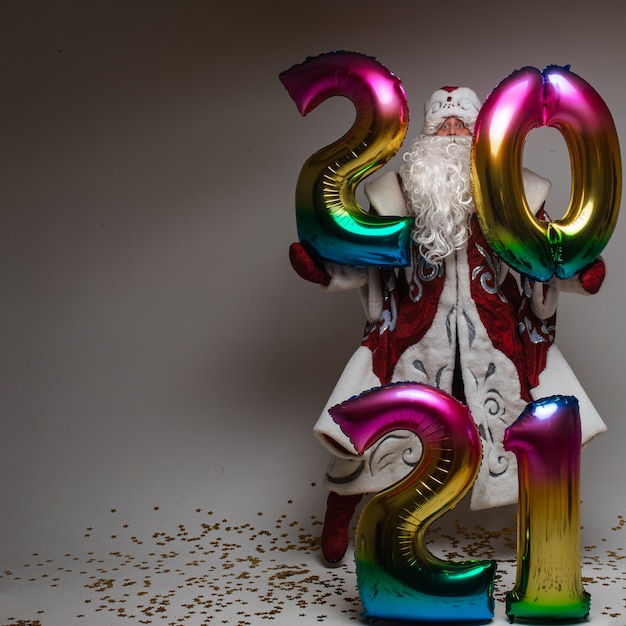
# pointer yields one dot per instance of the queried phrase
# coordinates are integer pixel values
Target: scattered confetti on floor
(213, 570)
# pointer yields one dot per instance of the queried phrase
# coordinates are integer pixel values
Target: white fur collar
(386, 197)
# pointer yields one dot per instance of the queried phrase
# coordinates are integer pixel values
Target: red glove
(592, 276)
(306, 266)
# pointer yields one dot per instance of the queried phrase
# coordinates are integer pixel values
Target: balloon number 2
(330, 221)
(399, 578)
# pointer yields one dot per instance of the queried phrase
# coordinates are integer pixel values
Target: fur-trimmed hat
(446, 102)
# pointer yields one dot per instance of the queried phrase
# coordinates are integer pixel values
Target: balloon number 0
(529, 99)
(330, 221)
(399, 578)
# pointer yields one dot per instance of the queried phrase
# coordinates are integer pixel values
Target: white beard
(436, 178)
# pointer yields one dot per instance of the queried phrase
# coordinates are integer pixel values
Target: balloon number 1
(399, 578)
(546, 441)
(330, 221)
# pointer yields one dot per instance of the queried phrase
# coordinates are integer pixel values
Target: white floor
(212, 569)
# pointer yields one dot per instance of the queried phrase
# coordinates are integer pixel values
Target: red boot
(339, 512)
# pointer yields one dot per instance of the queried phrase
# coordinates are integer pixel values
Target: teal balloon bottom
(385, 597)
(558, 611)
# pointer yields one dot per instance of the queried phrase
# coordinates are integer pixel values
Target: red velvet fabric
(412, 321)
(592, 277)
(306, 266)
(505, 313)
(497, 309)
(336, 532)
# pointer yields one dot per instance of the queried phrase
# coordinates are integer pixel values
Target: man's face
(452, 126)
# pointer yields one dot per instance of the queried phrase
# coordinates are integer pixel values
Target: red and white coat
(422, 319)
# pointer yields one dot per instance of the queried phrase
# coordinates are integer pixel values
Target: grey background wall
(155, 345)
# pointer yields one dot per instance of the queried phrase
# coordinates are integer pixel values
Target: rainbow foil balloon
(330, 221)
(546, 441)
(398, 577)
(526, 100)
